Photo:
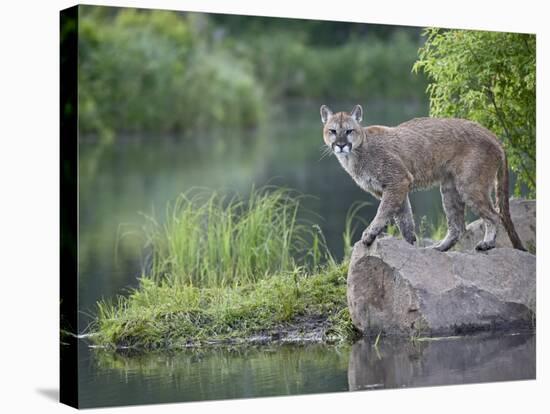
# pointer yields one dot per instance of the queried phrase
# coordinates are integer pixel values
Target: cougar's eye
(349, 131)
(332, 131)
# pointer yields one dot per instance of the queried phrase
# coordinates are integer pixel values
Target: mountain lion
(464, 158)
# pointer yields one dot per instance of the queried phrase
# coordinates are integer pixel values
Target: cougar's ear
(325, 113)
(357, 113)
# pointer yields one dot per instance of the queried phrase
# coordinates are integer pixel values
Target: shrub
(157, 71)
(488, 77)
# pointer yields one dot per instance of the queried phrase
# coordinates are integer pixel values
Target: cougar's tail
(502, 195)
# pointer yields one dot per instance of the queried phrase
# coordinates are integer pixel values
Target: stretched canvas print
(256, 206)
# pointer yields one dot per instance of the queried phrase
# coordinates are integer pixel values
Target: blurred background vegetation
(164, 71)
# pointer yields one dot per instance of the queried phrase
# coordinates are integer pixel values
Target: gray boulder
(524, 214)
(396, 288)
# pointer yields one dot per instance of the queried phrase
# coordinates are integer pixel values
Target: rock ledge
(396, 288)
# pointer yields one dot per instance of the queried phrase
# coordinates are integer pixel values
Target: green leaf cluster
(488, 77)
(159, 71)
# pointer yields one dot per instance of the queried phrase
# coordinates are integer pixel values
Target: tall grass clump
(211, 240)
(352, 225)
(434, 230)
(225, 268)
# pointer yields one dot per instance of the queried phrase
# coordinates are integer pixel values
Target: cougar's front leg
(405, 221)
(393, 198)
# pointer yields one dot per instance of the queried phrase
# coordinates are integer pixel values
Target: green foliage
(434, 230)
(157, 71)
(438, 228)
(341, 327)
(488, 77)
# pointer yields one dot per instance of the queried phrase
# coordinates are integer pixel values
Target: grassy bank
(178, 315)
(227, 269)
(232, 270)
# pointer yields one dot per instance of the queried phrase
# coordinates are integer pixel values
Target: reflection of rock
(397, 288)
(403, 363)
(523, 214)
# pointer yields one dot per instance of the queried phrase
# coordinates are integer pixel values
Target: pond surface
(220, 373)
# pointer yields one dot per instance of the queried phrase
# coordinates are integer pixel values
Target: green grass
(158, 315)
(435, 230)
(224, 269)
(227, 268)
(207, 240)
(353, 224)
(426, 230)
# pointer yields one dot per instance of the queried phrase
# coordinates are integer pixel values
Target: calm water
(213, 374)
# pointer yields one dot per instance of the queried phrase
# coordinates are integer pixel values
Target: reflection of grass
(222, 372)
(226, 269)
(153, 363)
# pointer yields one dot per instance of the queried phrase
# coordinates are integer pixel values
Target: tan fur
(463, 157)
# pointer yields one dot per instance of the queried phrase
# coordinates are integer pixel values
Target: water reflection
(210, 374)
(398, 363)
(108, 378)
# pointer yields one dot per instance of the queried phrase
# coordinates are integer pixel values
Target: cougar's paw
(368, 237)
(438, 246)
(410, 238)
(484, 246)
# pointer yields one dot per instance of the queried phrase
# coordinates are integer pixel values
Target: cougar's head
(342, 131)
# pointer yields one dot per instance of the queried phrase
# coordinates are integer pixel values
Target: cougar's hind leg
(454, 210)
(405, 221)
(477, 196)
(491, 219)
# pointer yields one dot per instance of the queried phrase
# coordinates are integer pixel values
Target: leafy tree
(488, 77)
(158, 71)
